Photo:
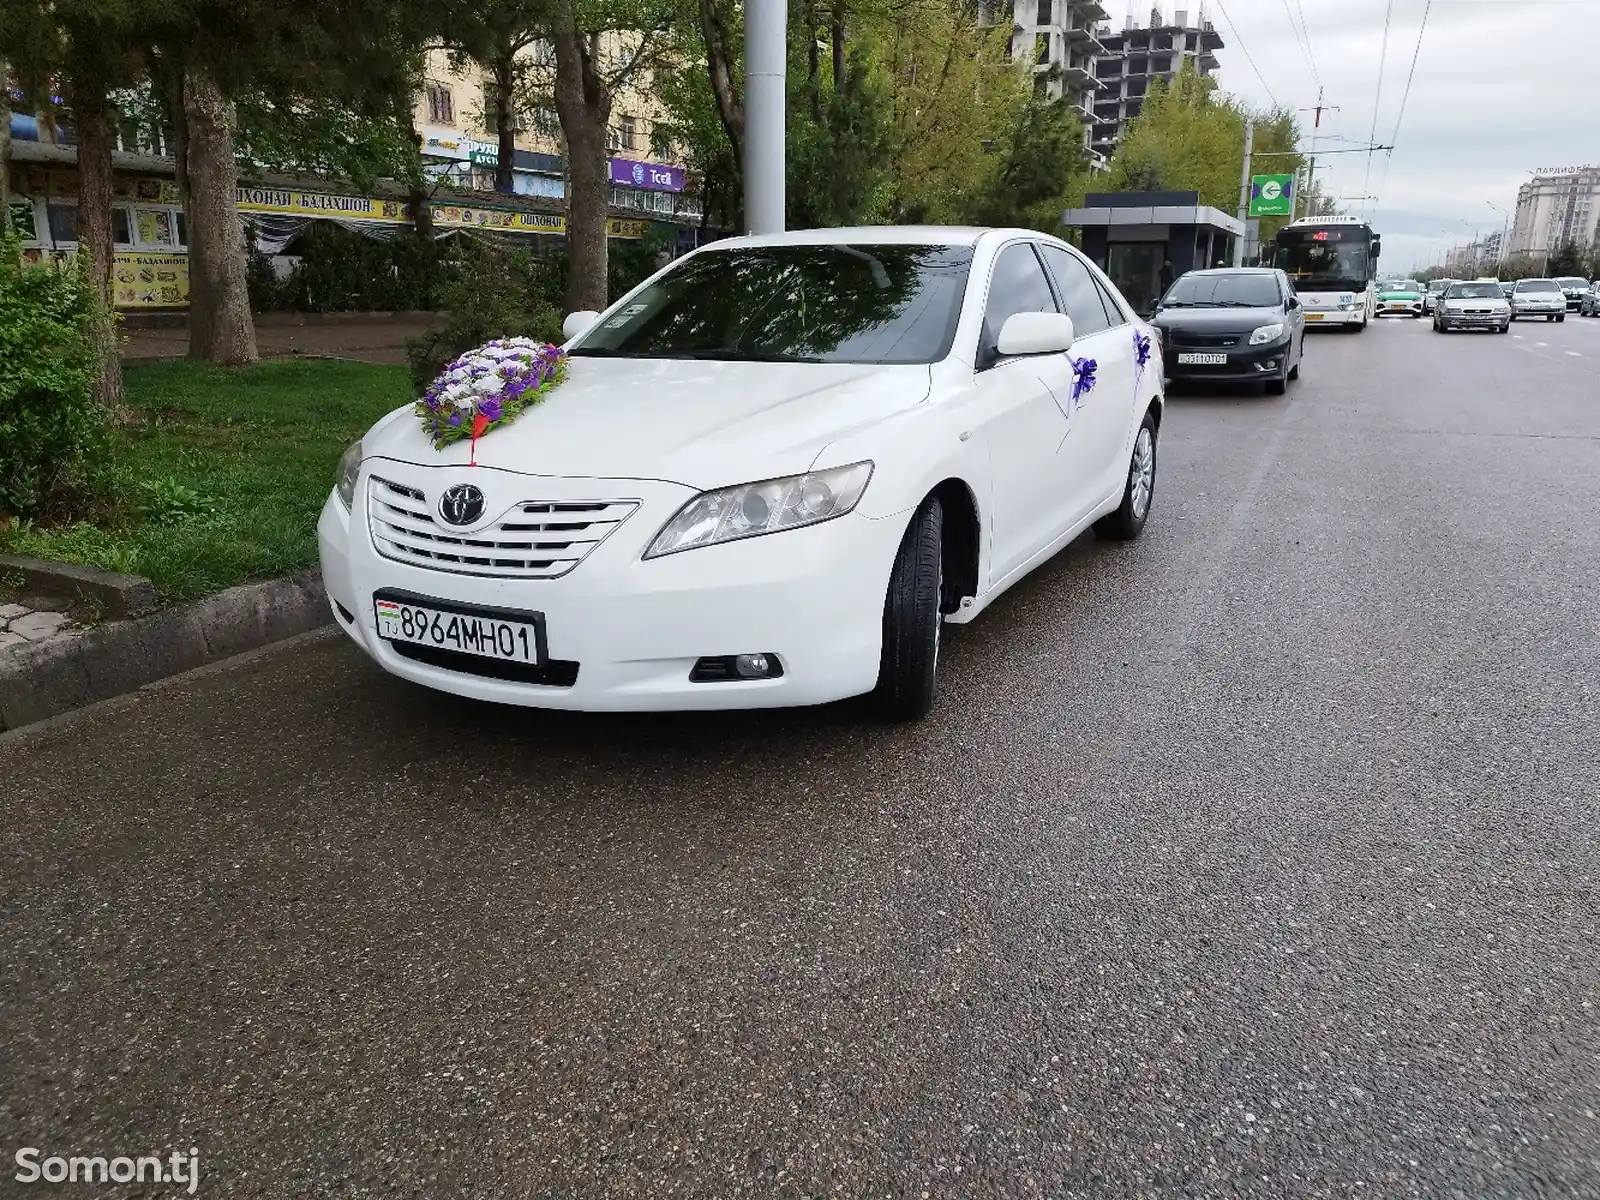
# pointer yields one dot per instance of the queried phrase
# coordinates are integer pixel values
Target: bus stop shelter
(1130, 234)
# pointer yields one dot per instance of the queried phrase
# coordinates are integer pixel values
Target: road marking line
(1574, 354)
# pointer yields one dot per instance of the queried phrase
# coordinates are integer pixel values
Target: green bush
(52, 433)
(341, 271)
(491, 291)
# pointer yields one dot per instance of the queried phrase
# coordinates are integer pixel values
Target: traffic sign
(1271, 195)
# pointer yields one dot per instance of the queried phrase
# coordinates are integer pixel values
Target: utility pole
(766, 61)
(1311, 173)
(1244, 191)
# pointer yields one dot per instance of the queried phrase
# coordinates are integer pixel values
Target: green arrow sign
(1271, 195)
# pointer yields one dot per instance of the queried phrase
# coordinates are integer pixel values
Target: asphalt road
(1258, 858)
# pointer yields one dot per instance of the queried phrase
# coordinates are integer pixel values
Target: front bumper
(1543, 308)
(1253, 364)
(1457, 320)
(1399, 308)
(632, 628)
(1334, 316)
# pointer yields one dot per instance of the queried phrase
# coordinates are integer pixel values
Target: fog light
(728, 668)
(752, 666)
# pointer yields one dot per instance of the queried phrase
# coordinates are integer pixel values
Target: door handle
(966, 435)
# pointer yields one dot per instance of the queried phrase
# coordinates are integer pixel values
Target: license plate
(1209, 359)
(1398, 304)
(465, 632)
(1313, 316)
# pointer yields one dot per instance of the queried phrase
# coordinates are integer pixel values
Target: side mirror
(1034, 333)
(1294, 301)
(577, 322)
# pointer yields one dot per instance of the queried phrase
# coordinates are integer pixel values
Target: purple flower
(490, 408)
(1141, 348)
(455, 417)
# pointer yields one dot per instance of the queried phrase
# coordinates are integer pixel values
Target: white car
(1477, 305)
(1538, 298)
(773, 470)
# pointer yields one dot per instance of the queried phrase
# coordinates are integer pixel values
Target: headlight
(752, 509)
(349, 468)
(1267, 333)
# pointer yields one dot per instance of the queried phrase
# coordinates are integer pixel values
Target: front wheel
(1561, 318)
(1127, 522)
(911, 620)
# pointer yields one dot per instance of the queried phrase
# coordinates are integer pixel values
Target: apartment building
(1130, 60)
(1557, 208)
(455, 115)
(1058, 38)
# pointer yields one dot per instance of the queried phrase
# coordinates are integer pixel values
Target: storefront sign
(320, 204)
(441, 143)
(626, 229)
(454, 216)
(655, 177)
(484, 154)
(150, 280)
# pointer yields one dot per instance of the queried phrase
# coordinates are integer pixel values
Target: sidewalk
(366, 337)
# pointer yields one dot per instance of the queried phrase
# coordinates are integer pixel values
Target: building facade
(1058, 38)
(1131, 59)
(1555, 209)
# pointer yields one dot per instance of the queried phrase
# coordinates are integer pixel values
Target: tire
(1504, 329)
(911, 620)
(1128, 521)
(1278, 386)
(1561, 318)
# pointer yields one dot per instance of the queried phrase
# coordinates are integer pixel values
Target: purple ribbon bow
(1082, 377)
(1141, 349)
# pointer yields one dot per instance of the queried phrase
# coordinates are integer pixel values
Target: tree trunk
(814, 64)
(417, 201)
(505, 109)
(92, 114)
(719, 66)
(220, 327)
(583, 103)
(837, 37)
(5, 148)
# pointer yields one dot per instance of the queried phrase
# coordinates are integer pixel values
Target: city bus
(1333, 262)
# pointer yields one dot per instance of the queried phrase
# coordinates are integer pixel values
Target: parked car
(1590, 307)
(1538, 298)
(1234, 325)
(1477, 305)
(1574, 289)
(1400, 297)
(1436, 288)
(774, 470)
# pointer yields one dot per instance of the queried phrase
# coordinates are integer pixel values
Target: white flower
(488, 384)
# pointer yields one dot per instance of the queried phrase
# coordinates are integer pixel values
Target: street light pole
(1244, 191)
(766, 62)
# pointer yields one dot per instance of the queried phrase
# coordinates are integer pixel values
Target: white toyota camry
(769, 475)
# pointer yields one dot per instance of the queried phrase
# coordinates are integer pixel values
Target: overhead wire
(1236, 37)
(1302, 37)
(1377, 99)
(1394, 138)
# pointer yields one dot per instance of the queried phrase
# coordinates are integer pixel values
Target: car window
(1473, 291)
(1017, 285)
(842, 303)
(1114, 310)
(1537, 285)
(1223, 289)
(1079, 292)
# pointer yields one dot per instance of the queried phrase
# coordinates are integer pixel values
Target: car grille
(1203, 341)
(555, 672)
(537, 539)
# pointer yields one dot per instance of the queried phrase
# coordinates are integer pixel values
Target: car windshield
(1473, 291)
(806, 303)
(1438, 285)
(1223, 291)
(1572, 281)
(1538, 285)
(1398, 285)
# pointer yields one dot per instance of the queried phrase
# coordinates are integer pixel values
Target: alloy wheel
(1142, 474)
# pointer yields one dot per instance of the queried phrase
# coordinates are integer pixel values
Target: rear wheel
(1127, 522)
(911, 620)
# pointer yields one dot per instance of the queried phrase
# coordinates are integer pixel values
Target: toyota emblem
(462, 504)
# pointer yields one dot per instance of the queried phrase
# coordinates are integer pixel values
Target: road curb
(60, 674)
(114, 594)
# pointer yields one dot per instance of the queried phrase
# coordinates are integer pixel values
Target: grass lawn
(224, 471)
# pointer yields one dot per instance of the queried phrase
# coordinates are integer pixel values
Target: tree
(88, 49)
(1042, 168)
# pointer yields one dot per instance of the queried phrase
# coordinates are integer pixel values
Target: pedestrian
(663, 258)
(1167, 275)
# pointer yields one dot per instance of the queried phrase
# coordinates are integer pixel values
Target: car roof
(1235, 271)
(940, 235)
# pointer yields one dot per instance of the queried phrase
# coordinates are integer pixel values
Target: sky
(1502, 87)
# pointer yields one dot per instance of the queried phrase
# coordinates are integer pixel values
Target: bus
(1333, 262)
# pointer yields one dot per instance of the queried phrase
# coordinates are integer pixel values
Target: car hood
(1474, 301)
(701, 424)
(1216, 320)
